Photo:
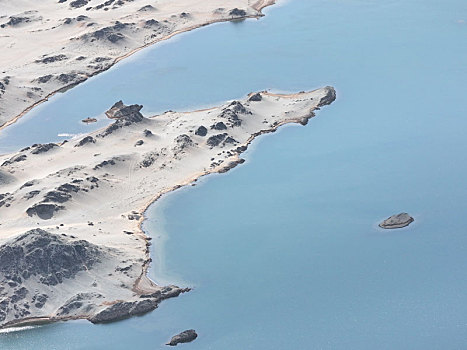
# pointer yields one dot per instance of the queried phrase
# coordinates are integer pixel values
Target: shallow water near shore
(284, 251)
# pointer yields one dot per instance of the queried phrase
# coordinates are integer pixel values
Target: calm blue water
(284, 252)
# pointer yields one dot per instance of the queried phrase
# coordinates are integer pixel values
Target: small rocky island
(397, 221)
(183, 337)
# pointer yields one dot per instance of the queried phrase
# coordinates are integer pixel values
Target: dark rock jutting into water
(183, 337)
(397, 221)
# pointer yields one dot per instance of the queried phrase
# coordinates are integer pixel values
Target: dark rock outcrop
(182, 142)
(15, 159)
(237, 107)
(42, 148)
(52, 59)
(201, 131)
(237, 13)
(216, 140)
(48, 257)
(149, 159)
(110, 33)
(57, 197)
(123, 310)
(147, 8)
(255, 97)
(183, 337)
(104, 163)
(125, 115)
(44, 211)
(397, 221)
(84, 302)
(219, 126)
(31, 194)
(86, 140)
(44, 79)
(329, 98)
(78, 3)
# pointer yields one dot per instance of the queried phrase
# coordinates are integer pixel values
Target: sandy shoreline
(92, 196)
(258, 7)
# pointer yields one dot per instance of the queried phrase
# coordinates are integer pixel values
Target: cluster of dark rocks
(182, 142)
(52, 59)
(110, 33)
(216, 140)
(53, 200)
(148, 159)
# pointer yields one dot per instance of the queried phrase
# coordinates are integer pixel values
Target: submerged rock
(183, 337)
(397, 221)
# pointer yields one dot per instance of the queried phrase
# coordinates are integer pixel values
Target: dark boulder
(397, 221)
(42, 148)
(125, 115)
(15, 159)
(85, 140)
(237, 12)
(52, 59)
(216, 140)
(329, 97)
(255, 97)
(123, 310)
(78, 3)
(183, 337)
(57, 197)
(219, 126)
(44, 211)
(201, 131)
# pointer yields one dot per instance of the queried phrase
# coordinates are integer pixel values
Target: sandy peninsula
(52, 45)
(70, 229)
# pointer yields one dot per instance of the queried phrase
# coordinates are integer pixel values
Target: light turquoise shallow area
(284, 252)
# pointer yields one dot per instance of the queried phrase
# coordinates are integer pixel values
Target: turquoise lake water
(284, 252)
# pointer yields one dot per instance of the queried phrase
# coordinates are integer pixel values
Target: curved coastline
(259, 6)
(307, 103)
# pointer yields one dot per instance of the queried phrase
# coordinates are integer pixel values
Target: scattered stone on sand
(183, 337)
(397, 221)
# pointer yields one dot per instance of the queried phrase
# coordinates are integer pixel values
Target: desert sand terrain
(51, 45)
(71, 213)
